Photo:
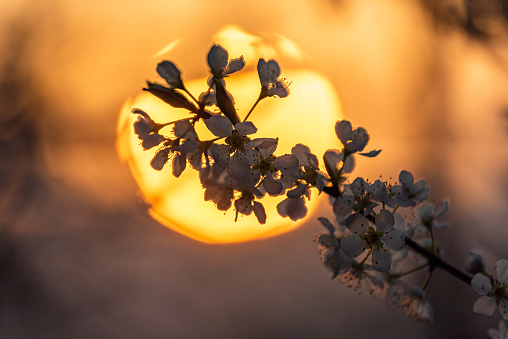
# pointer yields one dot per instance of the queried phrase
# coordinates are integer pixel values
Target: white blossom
(493, 291)
(428, 216)
(379, 238)
(219, 63)
(411, 301)
(358, 273)
(408, 193)
(354, 140)
(269, 73)
(147, 130)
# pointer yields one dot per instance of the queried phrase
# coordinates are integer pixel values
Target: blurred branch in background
(22, 174)
(23, 108)
(485, 20)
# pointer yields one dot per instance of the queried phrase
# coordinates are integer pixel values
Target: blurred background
(81, 258)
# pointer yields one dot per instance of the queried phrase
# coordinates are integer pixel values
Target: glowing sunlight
(306, 116)
(179, 204)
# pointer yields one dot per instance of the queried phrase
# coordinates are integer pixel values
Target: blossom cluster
(366, 241)
(374, 224)
(235, 169)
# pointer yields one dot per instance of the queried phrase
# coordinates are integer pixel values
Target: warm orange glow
(307, 116)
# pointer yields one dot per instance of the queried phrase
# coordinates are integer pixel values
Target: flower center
(236, 142)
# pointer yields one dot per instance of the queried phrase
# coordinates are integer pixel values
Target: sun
(306, 116)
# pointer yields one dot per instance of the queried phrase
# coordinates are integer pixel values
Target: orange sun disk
(306, 116)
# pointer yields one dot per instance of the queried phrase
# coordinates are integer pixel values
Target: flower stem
(160, 126)
(416, 269)
(426, 283)
(192, 96)
(434, 260)
(255, 104)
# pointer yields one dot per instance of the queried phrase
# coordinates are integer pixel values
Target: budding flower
(475, 263)
(169, 72)
(411, 300)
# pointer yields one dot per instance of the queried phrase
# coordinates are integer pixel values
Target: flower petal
(220, 154)
(420, 190)
(169, 72)
(333, 157)
(445, 205)
(286, 164)
(426, 210)
(184, 129)
(239, 167)
(160, 159)
(245, 128)
(297, 192)
(263, 73)
(503, 309)
(272, 187)
(265, 146)
(502, 271)
(357, 223)
(301, 152)
(485, 306)
(141, 112)
(217, 59)
(273, 70)
(394, 240)
(143, 127)
(259, 212)
(349, 164)
(152, 140)
(179, 163)
(384, 221)
(235, 65)
(352, 245)
(381, 260)
(406, 178)
(343, 206)
(344, 131)
(188, 146)
(219, 125)
(481, 284)
(360, 138)
(293, 208)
